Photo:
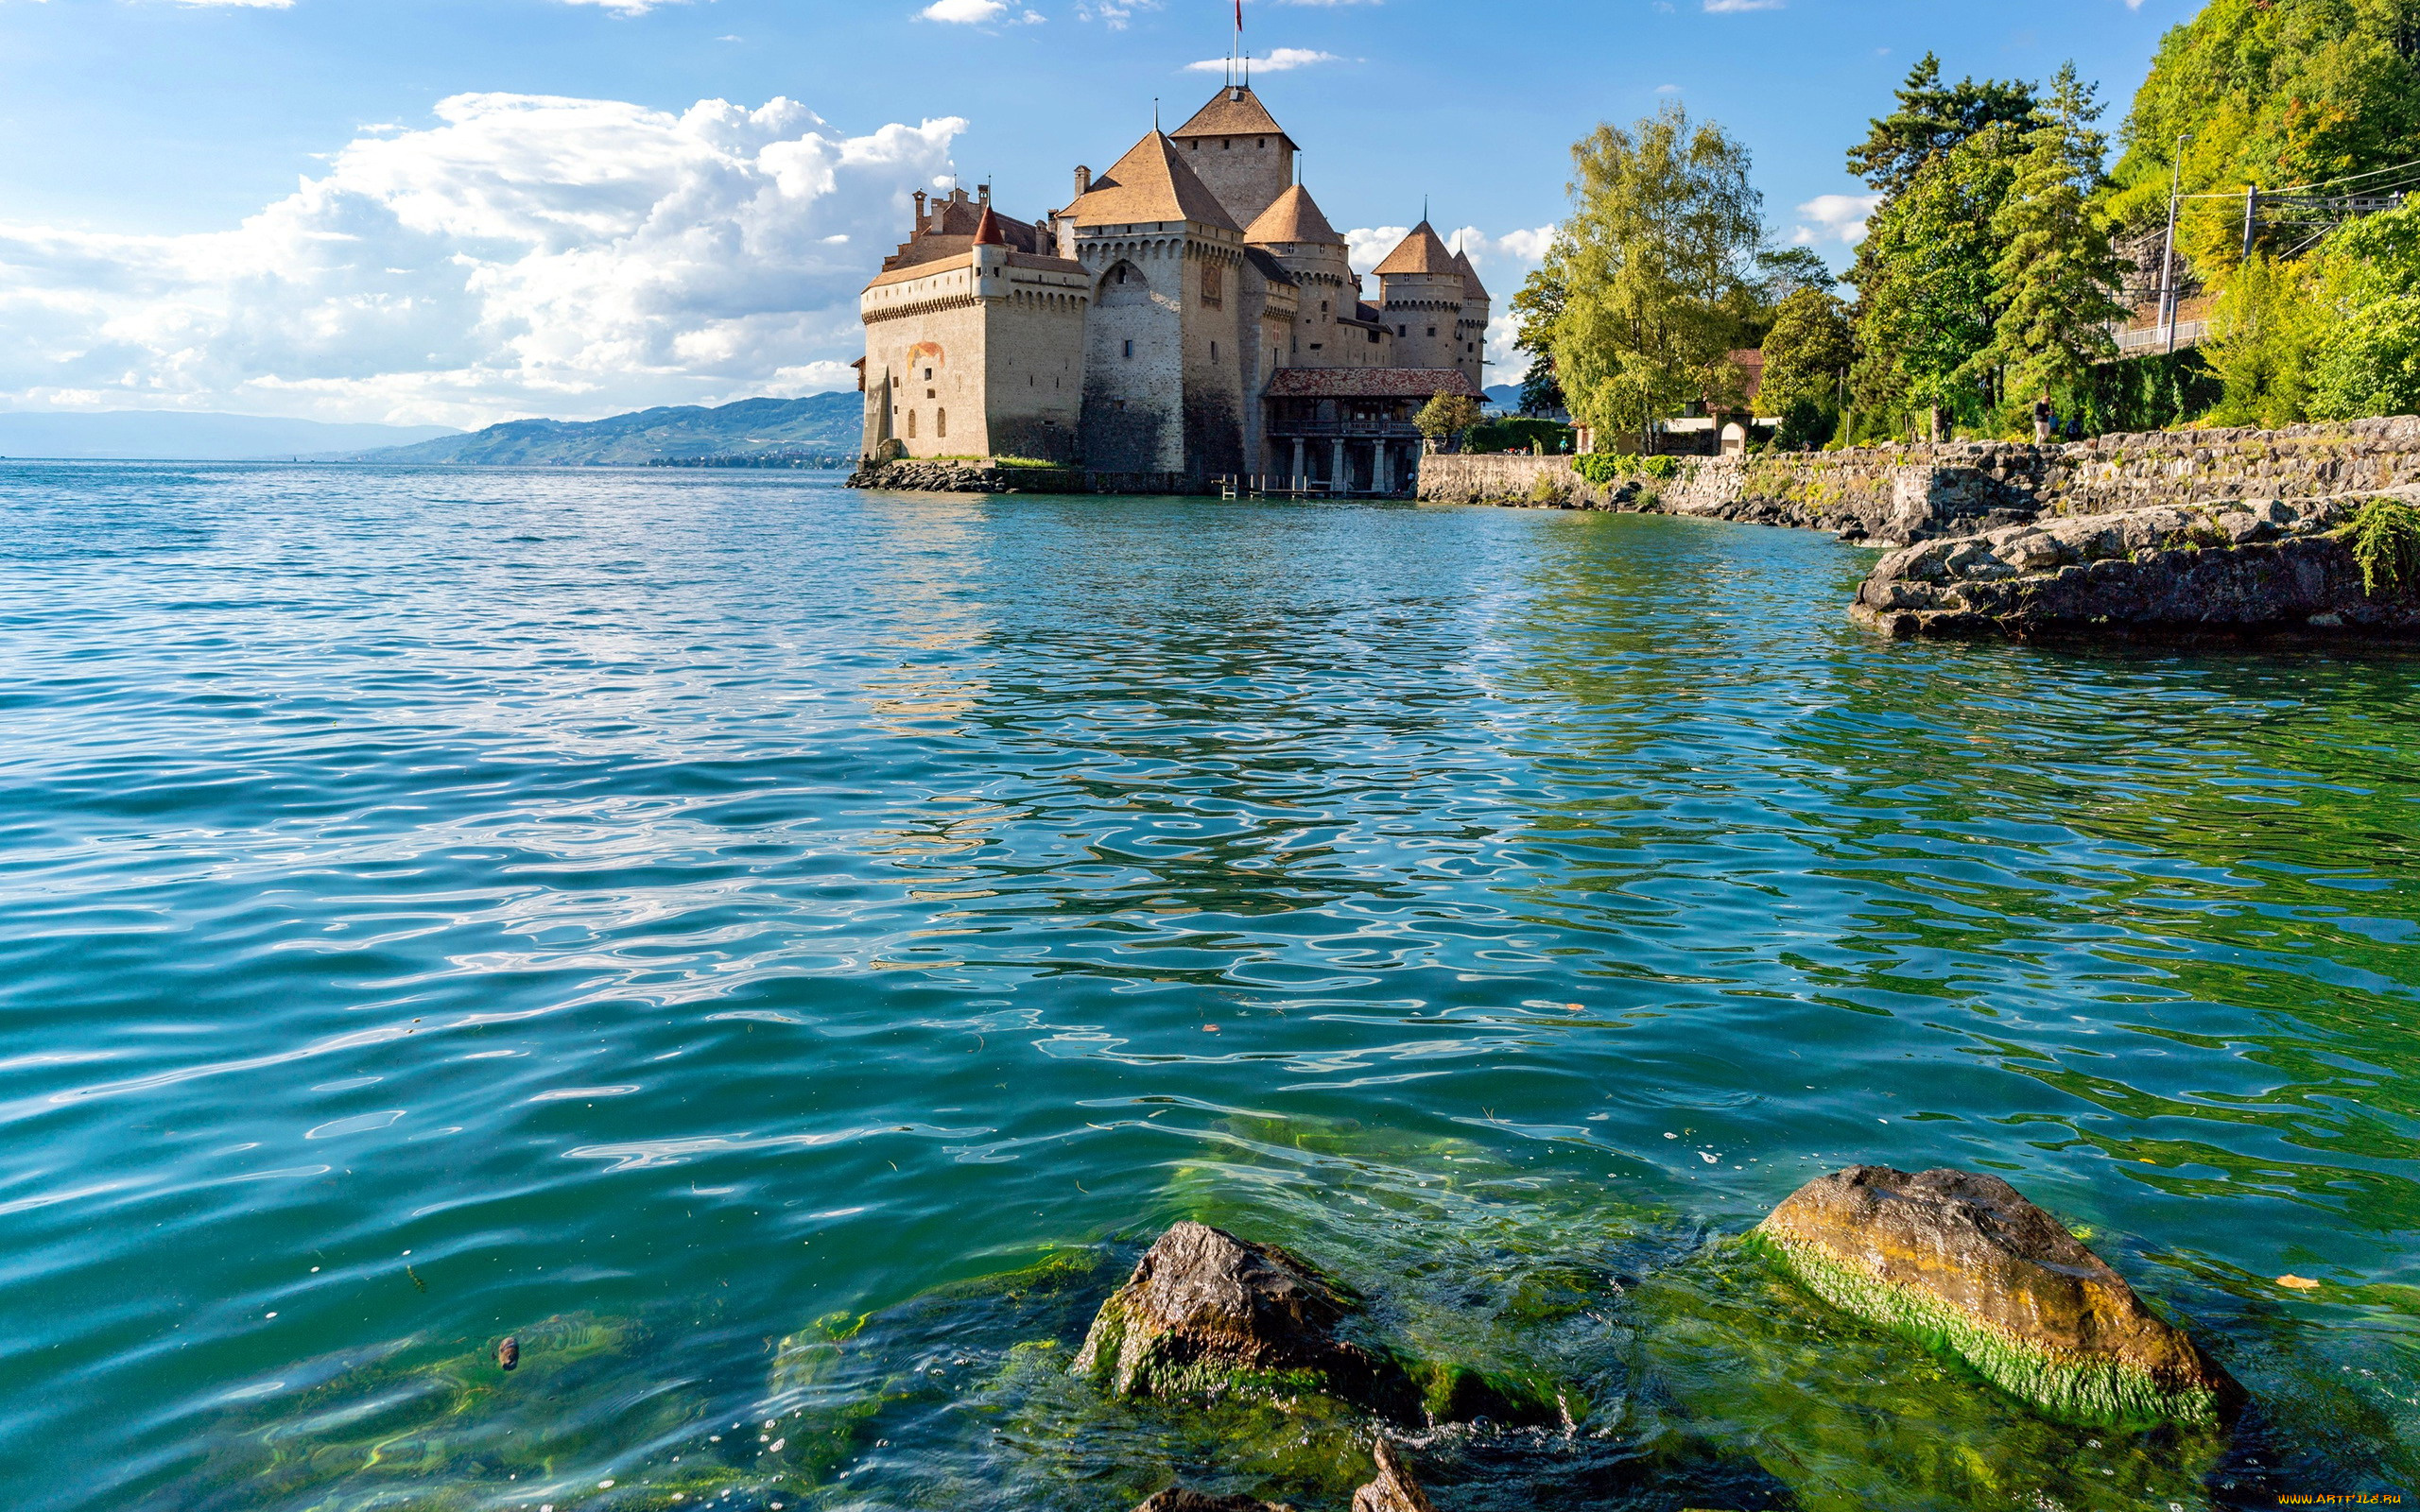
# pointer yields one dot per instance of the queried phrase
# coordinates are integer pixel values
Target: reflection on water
(777, 952)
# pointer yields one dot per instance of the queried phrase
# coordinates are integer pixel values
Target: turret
(1238, 151)
(1477, 307)
(1294, 232)
(1422, 293)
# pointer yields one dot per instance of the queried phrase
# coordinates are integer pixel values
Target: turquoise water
(704, 925)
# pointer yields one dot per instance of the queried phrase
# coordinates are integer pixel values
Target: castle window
(1214, 351)
(940, 423)
(911, 424)
(1130, 348)
(1401, 331)
(1432, 330)
(928, 376)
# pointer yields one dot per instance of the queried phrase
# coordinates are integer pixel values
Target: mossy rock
(1964, 1264)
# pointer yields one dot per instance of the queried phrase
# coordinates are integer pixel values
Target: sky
(459, 212)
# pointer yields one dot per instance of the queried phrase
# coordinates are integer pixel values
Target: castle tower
(1471, 328)
(975, 339)
(1237, 149)
(1167, 337)
(1294, 232)
(1421, 293)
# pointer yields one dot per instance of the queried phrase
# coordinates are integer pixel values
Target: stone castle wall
(1907, 493)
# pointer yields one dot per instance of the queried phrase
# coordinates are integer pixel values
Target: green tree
(1536, 308)
(1656, 265)
(1928, 299)
(2368, 351)
(2271, 94)
(1808, 353)
(2056, 274)
(2263, 332)
(1931, 119)
(1448, 416)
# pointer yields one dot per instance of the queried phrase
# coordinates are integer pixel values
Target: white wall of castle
(1424, 311)
(982, 359)
(1245, 174)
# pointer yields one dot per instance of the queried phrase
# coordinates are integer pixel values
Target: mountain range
(817, 425)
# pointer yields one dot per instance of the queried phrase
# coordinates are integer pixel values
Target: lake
(778, 953)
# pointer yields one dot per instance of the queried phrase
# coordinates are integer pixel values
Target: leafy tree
(2271, 95)
(1932, 119)
(1807, 357)
(2055, 272)
(1786, 271)
(2263, 332)
(1654, 265)
(1446, 416)
(1535, 309)
(1928, 299)
(2368, 357)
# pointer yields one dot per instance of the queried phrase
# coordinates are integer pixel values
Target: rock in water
(508, 1355)
(1394, 1491)
(1206, 1314)
(1184, 1499)
(1962, 1260)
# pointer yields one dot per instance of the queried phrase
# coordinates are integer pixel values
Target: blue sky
(465, 210)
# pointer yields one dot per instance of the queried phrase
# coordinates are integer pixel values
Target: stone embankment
(2231, 567)
(1898, 495)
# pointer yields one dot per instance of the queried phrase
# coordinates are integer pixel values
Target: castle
(1189, 312)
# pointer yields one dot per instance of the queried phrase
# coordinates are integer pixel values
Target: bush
(1518, 434)
(1602, 468)
(2385, 537)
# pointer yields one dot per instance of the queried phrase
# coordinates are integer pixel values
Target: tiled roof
(1368, 382)
(951, 227)
(1367, 314)
(1235, 111)
(1150, 182)
(1271, 269)
(1472, 287)
(1294, 216)
(941, 261)
(1420, 252)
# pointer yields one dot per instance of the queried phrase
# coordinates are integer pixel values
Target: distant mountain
(189, 436)
(832, 424)
(1506, 397)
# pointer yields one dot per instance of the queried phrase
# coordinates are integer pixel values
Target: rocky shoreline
(2234, 568)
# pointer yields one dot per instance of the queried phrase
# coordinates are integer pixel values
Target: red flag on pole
(1239, 16)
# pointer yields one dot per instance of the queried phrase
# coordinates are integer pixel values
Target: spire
(987, 230)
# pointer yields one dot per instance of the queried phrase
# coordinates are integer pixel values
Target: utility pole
(2251, 209)
(2168, 249)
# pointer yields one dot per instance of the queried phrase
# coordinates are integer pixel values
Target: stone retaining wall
(1899, 494)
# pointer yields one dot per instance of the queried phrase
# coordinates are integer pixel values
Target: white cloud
(275, 5)
(528, 255)
(1112, 14)
(965, 12)
(1726, 7)
(1276, 63)
(1834, 217)
(620, 8)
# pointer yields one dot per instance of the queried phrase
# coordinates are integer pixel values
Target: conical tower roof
(1235, 111)
(1472, 287)
(987, 230)
(1150, 182)
(1420, 252)
(1294, 217)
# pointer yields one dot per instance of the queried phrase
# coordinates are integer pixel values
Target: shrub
(2385, 537)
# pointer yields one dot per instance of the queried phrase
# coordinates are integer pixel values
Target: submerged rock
(1208, 1315)
(1394, 1491)
(1962, 1260)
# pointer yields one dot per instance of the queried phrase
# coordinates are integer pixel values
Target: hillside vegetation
(827, 425)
